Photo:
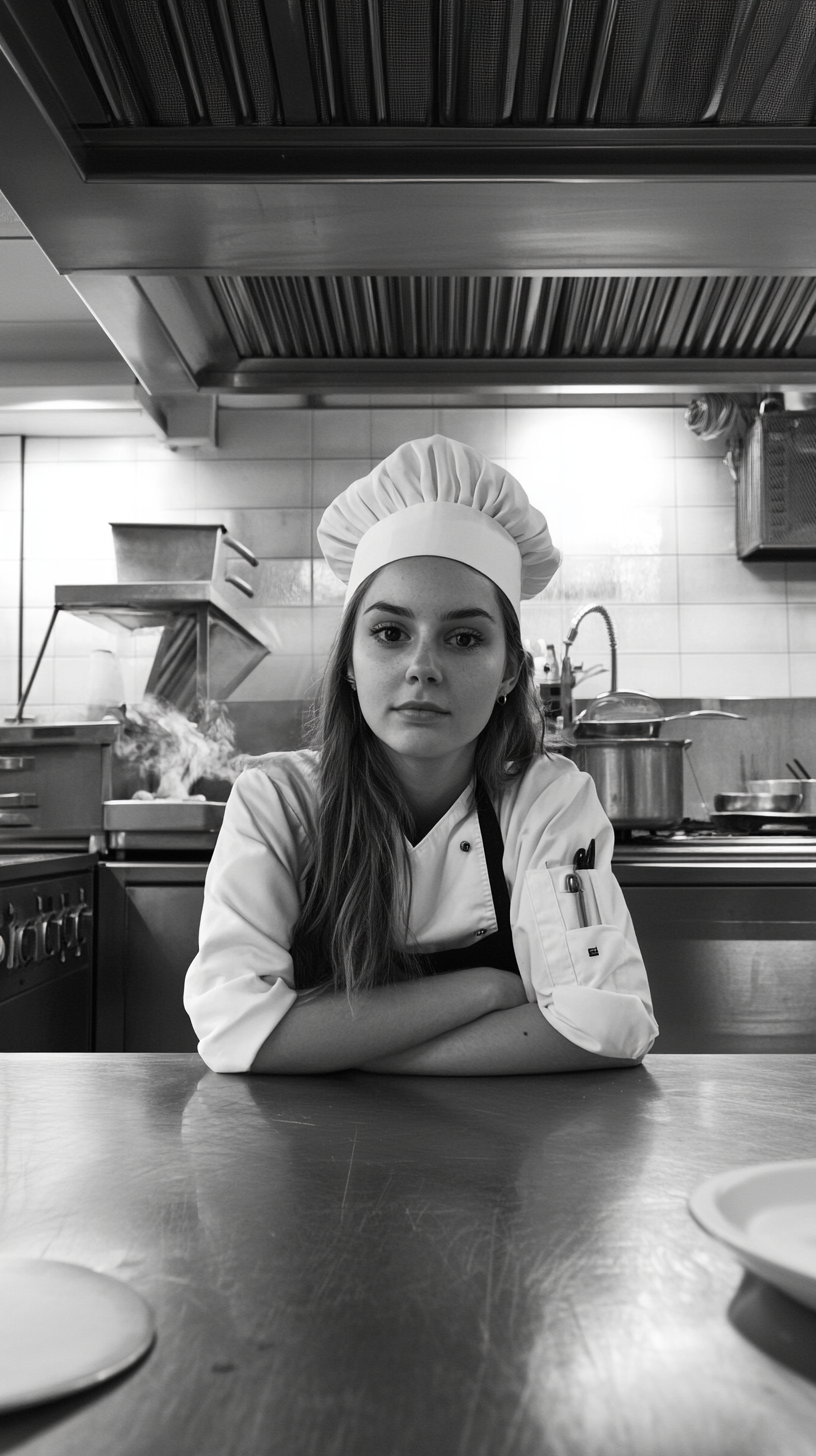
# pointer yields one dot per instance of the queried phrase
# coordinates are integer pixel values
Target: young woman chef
(429, 892)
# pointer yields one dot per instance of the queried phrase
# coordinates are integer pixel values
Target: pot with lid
(638, 774)
(629, 714)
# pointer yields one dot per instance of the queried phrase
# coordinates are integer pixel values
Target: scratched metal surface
(363, 1266)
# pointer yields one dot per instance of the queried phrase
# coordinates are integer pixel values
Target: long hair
(352, 929)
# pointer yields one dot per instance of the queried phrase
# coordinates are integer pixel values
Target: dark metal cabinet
(731, 955)
(148, 917)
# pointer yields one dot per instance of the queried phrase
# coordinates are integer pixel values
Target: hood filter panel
(444, 63)
(499, 317)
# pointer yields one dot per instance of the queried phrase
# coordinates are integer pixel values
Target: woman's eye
(467, 639)
(388, 632)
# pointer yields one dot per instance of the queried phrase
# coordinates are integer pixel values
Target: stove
(700, 841)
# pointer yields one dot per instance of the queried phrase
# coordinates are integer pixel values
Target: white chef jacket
(588, 981)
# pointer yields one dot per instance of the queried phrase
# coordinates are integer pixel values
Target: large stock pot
(639, 780)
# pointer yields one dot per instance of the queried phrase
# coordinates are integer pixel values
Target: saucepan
(629, 714)
(757, 803)
(806, 788)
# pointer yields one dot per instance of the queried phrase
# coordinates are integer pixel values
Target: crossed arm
(466, 1024)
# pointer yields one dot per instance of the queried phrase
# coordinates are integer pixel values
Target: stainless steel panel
(149, 917)
(732, 967)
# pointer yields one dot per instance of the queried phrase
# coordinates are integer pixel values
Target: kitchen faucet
(567, 673)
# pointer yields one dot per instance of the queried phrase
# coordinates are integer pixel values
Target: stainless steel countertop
(364, 1265)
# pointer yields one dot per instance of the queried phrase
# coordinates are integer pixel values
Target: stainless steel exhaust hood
(434, 194)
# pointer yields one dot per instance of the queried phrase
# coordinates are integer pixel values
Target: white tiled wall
(643, 511)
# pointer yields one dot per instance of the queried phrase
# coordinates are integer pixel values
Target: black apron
(489, 950)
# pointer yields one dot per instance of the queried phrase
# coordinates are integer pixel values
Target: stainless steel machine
(181, 580)
(177, 578)
(54, 779)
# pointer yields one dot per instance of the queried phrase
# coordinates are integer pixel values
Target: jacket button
(464, 845)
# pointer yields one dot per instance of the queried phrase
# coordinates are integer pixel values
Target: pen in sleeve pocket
(575, 887)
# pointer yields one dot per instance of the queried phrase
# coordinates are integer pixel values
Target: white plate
(63, 1328)
(767, 1215)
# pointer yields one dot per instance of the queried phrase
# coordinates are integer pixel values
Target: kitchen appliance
(639, 780)
(776, 489)
(46, 952)
(208, 645)
(54, 778)
(753, 821)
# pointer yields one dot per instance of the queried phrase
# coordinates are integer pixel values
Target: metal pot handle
(242, 550)
(243, 586)
(704, 713)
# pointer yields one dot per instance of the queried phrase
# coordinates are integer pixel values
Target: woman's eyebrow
(455, 616)
(466, 612)
(389, 607)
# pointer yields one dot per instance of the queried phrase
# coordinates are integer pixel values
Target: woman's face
(429, 658)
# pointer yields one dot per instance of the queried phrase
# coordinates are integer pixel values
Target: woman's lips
(420, 710)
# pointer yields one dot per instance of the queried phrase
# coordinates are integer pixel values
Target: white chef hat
(438, 497)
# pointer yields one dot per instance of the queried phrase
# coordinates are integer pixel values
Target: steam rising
(177, 751)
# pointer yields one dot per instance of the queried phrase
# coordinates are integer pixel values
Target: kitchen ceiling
(300, 195)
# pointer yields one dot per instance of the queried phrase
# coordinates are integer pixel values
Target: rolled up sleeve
(589, 981)
(241, 983)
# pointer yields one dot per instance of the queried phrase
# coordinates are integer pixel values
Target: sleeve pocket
(597, 954)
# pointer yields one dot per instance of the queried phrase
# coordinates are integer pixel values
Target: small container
(548, 683)
(147, 551)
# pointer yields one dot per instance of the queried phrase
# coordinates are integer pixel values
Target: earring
(501, 699)
(352, 684)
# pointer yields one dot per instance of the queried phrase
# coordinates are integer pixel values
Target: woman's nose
(423, 666)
